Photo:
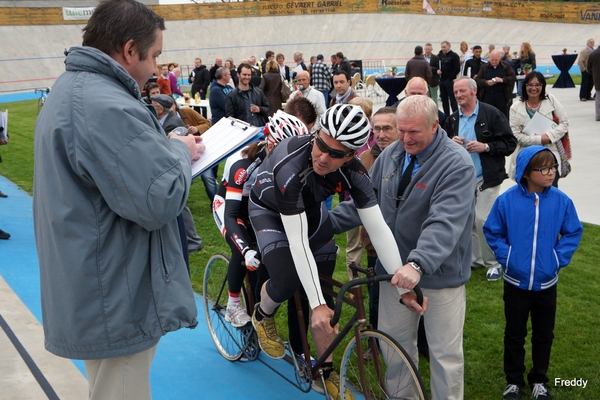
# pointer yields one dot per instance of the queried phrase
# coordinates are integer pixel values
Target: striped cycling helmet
(347, 124)
(283, 125)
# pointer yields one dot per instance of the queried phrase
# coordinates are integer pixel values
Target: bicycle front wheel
(377, 367)
(230, 341)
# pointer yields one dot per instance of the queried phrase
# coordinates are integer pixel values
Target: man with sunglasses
(485, 133)
(294, 232)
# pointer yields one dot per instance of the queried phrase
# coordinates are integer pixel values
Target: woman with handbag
(271, 85)
(535, 99)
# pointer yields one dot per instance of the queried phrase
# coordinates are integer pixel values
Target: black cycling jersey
(287, 184)
(230, 206)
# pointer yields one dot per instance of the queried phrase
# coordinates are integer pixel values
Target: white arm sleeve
(296, 229)
(382, 239)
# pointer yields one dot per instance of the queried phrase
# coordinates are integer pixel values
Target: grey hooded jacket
(108, 186)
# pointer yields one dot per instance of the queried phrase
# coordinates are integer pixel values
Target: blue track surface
(187, 365)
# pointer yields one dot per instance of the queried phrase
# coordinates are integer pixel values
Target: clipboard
(539, 124)
(226, 137)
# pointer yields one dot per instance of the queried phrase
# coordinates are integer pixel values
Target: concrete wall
(34, 56)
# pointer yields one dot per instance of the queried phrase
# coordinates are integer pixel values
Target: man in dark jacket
(472, 66)
(495, 82)
(343, 63)
(200, 79)
(486, 135)
(213, 70)
(434, 62)
(418, 66)
(168, 119)
(449, 68)
(247, 102)
(219, 89)
(593, 67)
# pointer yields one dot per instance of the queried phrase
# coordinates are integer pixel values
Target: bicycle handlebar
(362, 281)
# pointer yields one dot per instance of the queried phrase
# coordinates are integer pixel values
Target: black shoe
(4, 235)
(540, 392)
(3, 195)
(512, 392)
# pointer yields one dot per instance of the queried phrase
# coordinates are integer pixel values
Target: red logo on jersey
(338, 189)
(217, 203)
(240, 176)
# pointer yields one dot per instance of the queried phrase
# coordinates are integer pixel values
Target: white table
(202, 106)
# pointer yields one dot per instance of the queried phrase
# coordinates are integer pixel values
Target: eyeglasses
(333, 153)
(546, 170)
(385, 129)
(533, 85)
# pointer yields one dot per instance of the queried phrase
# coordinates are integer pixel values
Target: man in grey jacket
(109, 186)
(431, 219)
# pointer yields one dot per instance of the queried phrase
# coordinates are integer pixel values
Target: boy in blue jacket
(534, 230)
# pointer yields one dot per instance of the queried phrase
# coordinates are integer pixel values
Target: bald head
(416, 86)
(303, 79)
(495, 57)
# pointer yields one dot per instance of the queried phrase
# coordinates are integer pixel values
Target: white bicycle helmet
(347, 124)
(283, 125)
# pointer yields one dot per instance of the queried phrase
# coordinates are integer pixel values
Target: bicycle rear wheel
(388, 374)
(230, 341)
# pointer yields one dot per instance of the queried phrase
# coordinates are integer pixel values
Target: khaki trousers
(122, 378)
(444, 321)
(354, 250)
(483, 256)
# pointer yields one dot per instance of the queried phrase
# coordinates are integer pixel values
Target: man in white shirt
(310, 93)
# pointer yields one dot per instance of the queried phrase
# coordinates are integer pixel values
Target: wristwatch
(487, 148)
(180, 131)
(416, 266)
(494, 80)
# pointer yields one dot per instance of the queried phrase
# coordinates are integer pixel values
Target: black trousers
(587, 83)
(499, 102)
(518, 305)
(447, 95)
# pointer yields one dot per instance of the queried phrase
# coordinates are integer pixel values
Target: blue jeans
(326, 96)
(210, 183)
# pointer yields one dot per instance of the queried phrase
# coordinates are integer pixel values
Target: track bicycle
(43, 93)
(387, 373)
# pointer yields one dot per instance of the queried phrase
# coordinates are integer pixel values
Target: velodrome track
(33, 57)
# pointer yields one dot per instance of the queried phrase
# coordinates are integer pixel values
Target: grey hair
(470, 81)
(418, 106)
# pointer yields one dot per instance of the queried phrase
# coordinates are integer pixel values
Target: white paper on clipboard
(223, 139)
(539, 124)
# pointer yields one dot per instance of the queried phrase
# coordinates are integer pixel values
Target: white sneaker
(236, 315)
(493, 274)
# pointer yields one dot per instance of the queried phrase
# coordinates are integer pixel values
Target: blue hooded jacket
(533, 235)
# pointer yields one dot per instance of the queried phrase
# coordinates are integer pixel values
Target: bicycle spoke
(387, 374)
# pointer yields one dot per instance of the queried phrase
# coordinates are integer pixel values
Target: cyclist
(230, 207)
(291, 223)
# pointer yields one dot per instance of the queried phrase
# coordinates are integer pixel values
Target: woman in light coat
(535, 99)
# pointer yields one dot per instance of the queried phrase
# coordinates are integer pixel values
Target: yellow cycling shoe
(268, 338)
(332, 385)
